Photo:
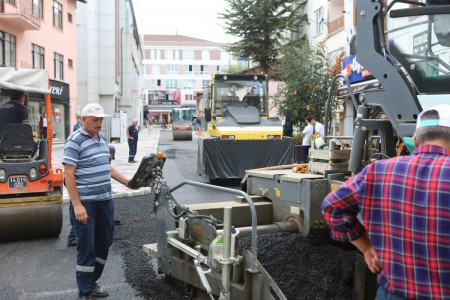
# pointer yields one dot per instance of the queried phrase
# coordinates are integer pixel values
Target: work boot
(98, 292)
(71, 243)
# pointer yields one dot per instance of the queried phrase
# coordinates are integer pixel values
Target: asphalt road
(45, 268)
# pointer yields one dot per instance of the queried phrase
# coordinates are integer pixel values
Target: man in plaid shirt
(404, 206)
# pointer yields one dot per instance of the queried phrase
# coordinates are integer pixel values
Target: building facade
(41, 34)
(178, 69)
(110, 63)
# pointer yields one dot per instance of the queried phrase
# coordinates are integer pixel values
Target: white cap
(93, 110)
(443, 119)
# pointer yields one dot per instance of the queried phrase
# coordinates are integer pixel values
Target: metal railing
(23, 8)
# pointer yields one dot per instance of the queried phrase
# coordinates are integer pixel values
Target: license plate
(17, 182)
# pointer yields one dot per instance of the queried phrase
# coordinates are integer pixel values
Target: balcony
(18, 14)
(336, 25)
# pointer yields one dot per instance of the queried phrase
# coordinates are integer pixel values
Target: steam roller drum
(30, 221)
(179, 135)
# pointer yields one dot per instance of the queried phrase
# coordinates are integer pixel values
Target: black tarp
(224, 159)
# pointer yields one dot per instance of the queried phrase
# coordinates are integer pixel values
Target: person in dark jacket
(132, 133)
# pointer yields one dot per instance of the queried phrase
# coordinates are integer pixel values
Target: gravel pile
(302, 270)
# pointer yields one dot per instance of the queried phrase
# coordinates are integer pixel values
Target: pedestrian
(132, 133)
(71, 239)
(88, 176)
(397, 213)
(78, 124)
(311, 129)
(288, 128)
(14, 111)
(150, 127)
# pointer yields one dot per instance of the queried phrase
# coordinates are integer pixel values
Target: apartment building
(110, 70)
(325, 22)
(177, 70)
(40, 34)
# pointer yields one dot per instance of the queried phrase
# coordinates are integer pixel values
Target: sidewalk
(147, 144)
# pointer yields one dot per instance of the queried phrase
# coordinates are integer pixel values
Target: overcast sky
(193, 18)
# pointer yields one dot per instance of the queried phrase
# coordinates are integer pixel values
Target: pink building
(41, 34)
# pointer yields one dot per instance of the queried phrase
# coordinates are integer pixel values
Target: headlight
(33, 173)
(228, 137)
(2, 175)
(274, 137)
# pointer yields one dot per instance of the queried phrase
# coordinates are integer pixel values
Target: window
(7, 49)
(58, 65)
(168, 54)
(152, 84)
(319, 20)
(188, 97)
(218, 68)
(171, 84)
(189, 69)
(205, 84)
(37, 9)
(158, 82)
(189, 84)
(205, 54)
(172, 69)
(57, 15)
(188, 54)
(70, 63)
(38, 57)
(155, 69)
(69, 18)
(203, 69)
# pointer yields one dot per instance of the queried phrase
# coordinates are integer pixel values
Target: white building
(177, 70)
(110, 61)
(326, 21)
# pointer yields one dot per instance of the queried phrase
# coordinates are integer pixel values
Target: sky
(193, 18)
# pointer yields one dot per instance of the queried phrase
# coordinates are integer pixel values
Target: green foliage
(235, 69)
(306, 76)
(298, 138)
(261, 26)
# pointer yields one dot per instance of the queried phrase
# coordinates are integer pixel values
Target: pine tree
(261, 27)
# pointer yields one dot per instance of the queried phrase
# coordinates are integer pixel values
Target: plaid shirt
(404, 204)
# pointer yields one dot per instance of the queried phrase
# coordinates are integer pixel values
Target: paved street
(147, 144)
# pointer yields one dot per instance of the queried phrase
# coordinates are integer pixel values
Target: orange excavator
(30, 190)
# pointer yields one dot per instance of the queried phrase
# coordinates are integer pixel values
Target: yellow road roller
(30, 190)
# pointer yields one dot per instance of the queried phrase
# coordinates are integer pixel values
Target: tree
(261, 26)
(306, 76)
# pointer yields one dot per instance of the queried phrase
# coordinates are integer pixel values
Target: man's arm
(116, 175)
(129, 136)
(69, 179)
(364, 244)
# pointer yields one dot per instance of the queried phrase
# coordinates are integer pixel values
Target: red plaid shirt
(404, 204)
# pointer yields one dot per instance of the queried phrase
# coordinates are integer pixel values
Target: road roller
(30, 190)
(181, 123)
(237, 132)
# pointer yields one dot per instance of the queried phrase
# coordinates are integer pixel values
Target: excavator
(30, 189)
(405, 46)
(238, 133)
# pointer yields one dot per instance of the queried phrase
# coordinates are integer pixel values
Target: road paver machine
(197, 244)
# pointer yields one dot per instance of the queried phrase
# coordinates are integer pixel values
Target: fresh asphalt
(45, 268)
